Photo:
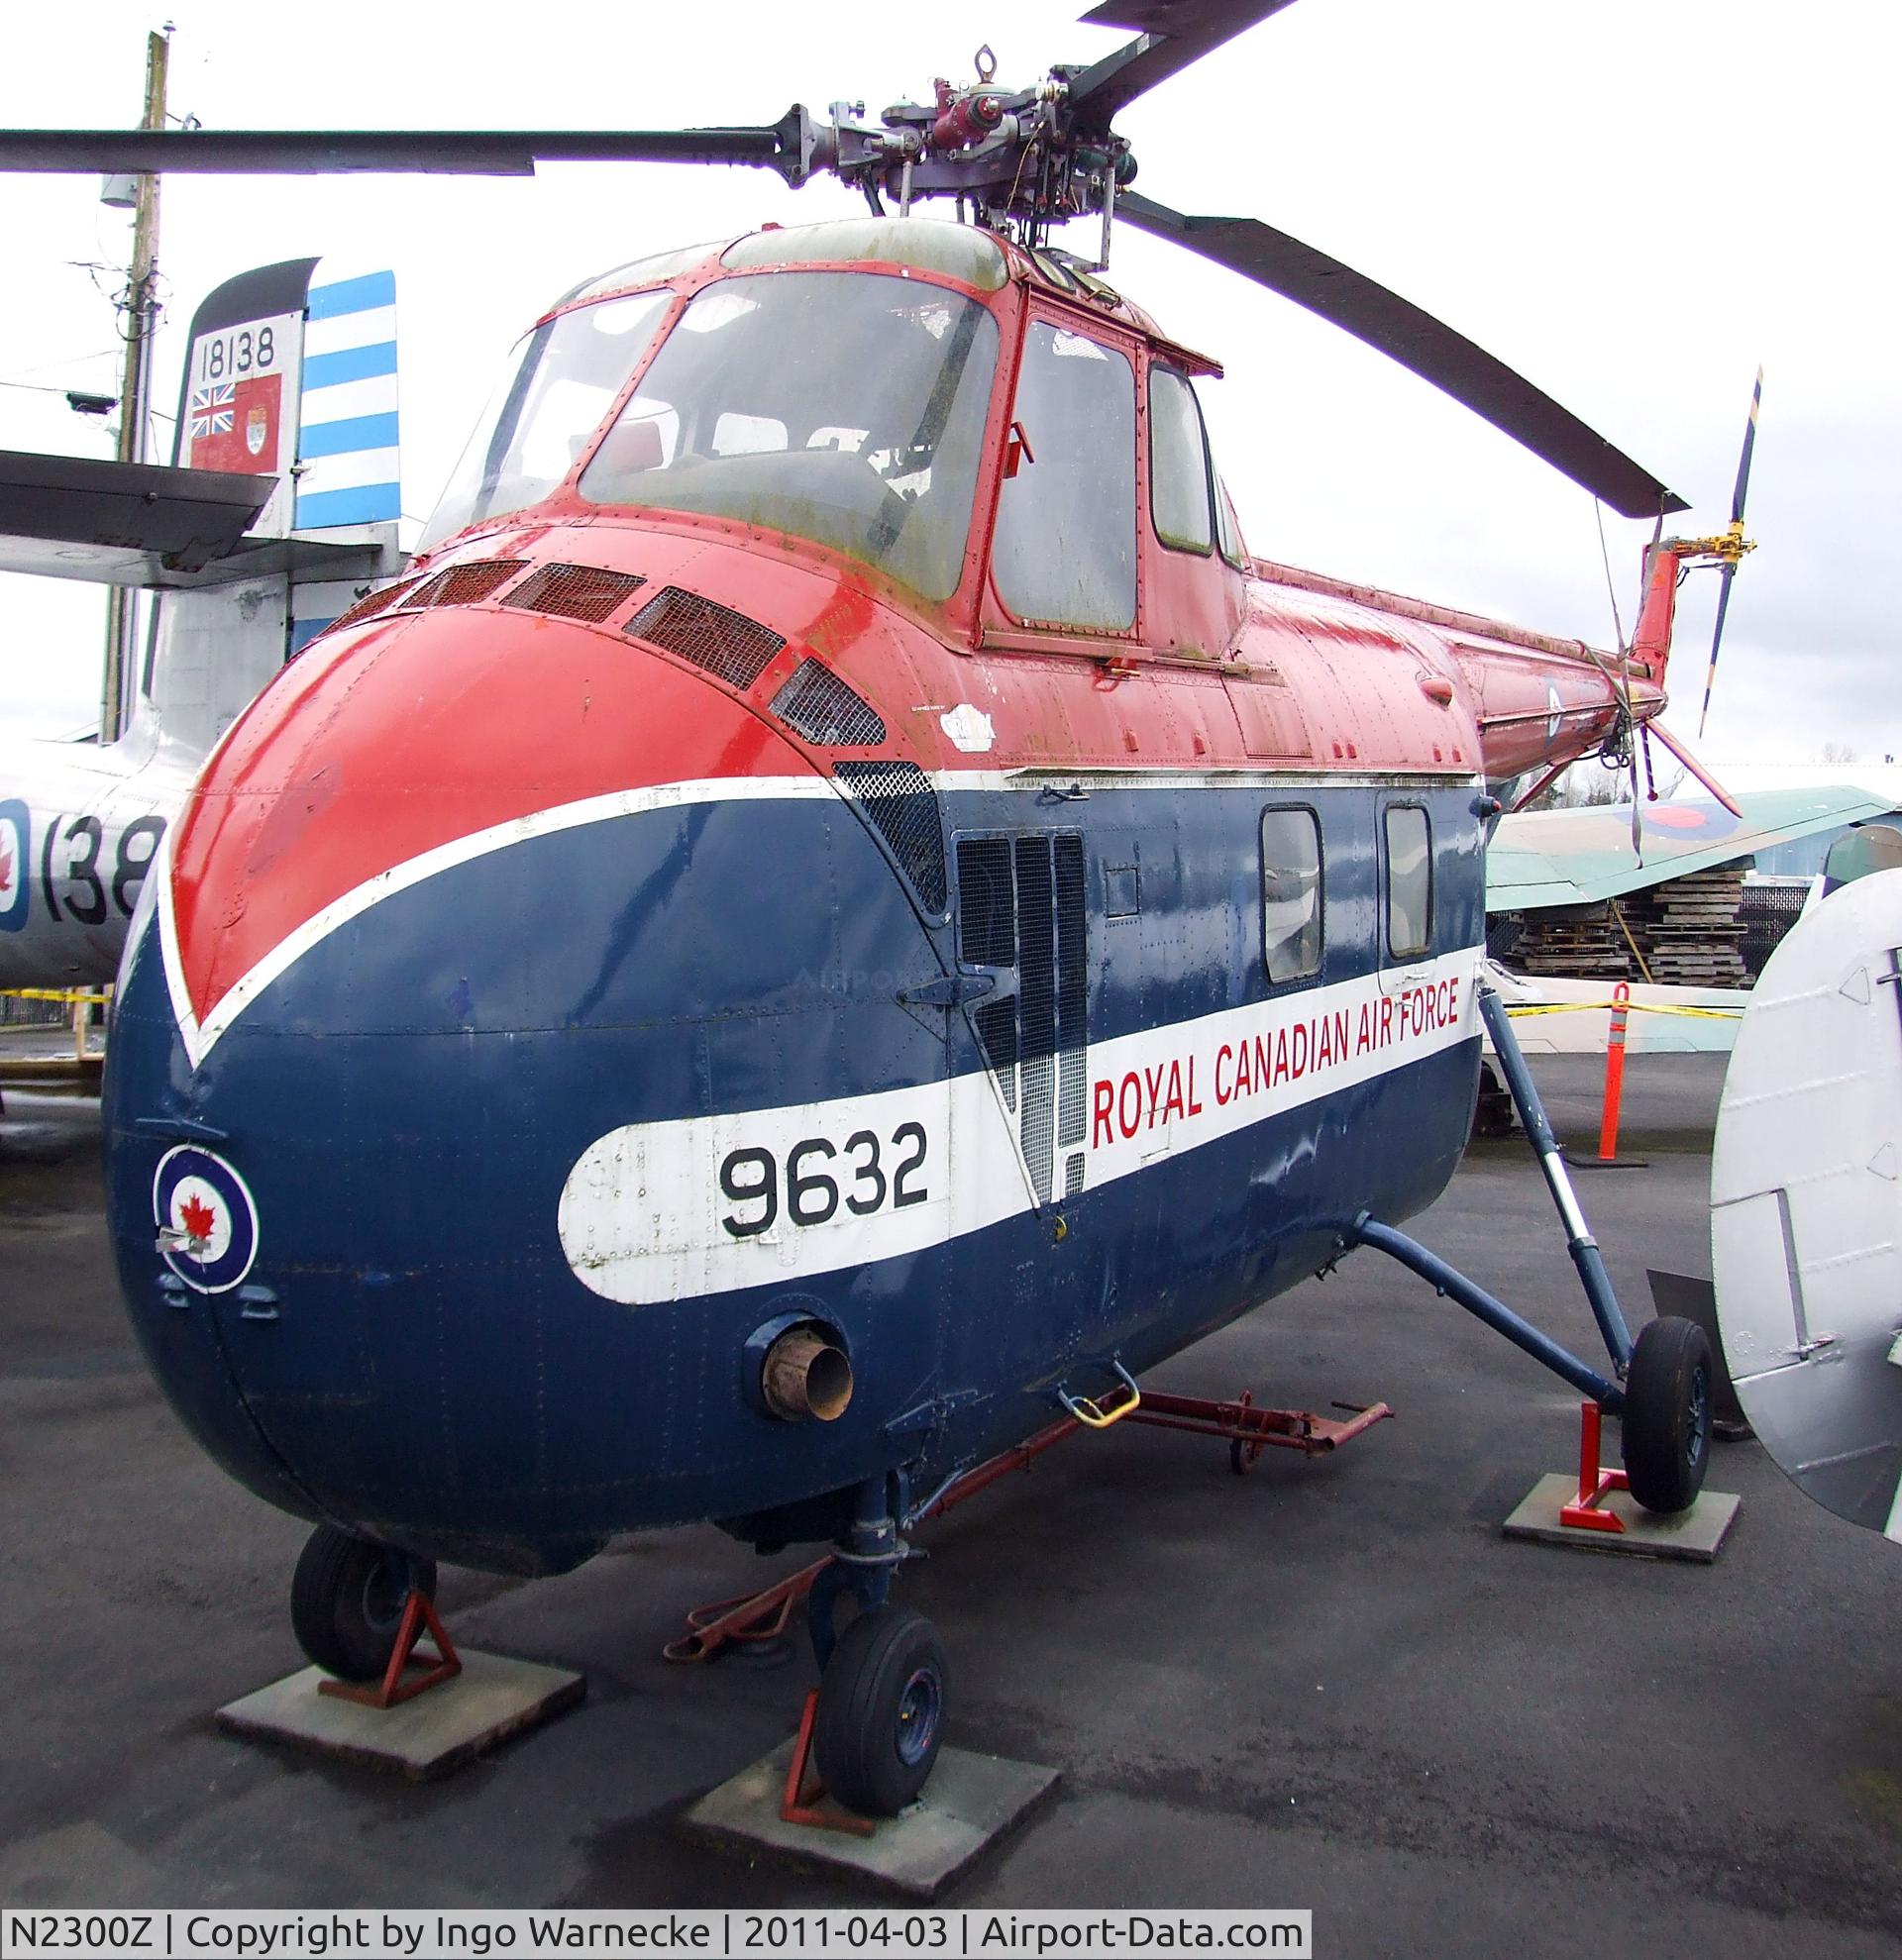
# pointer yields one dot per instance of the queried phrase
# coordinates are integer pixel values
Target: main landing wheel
(346, 1601)
(1667, 1414)
(881, 1712)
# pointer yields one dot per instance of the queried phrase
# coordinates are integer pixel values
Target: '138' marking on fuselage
(93, 888)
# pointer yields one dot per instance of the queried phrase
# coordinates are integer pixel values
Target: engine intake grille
(371, 604)
(575, 591)
(728, 645)
(817, 705)
(902, 807)
(464, 584)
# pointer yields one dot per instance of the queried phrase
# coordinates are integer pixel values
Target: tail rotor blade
(1717, 637)
(1640, 784)
(1744, 460)
(1736, 532)
(1695, 768)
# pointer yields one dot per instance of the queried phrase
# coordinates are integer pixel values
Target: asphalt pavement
(1328, 1683)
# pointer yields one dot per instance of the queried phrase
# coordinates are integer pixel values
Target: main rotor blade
(1432, 348)
(1744, 460)
(1170, 35)
(786, 147)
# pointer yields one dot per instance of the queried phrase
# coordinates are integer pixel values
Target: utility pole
(142, 320)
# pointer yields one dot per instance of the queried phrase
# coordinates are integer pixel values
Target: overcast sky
(1631, 203)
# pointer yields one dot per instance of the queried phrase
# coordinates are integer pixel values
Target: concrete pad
(969, 1804)
(492, 1699)
(1693, 1534)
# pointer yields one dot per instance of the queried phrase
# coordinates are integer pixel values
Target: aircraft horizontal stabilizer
(146, 524)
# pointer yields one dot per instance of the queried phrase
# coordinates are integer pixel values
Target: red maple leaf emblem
(6, 867)
(198, 1217)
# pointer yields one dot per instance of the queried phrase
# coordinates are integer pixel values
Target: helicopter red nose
(407, 746)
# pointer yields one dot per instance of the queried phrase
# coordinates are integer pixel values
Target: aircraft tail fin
(285, 457)
(290, 371)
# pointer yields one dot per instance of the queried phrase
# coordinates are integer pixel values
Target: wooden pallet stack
(1580, 943)
(1689, 929)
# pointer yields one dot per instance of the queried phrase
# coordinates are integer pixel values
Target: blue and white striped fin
(346, 445)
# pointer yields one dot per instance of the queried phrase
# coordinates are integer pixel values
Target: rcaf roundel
(13, 866)
(207, 1220)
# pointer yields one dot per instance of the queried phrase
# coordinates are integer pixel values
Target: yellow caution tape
(71, 997)
(1629, 1007)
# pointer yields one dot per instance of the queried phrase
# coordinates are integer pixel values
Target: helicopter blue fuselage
(429, 1346)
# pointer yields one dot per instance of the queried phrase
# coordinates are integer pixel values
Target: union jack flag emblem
(213, 409)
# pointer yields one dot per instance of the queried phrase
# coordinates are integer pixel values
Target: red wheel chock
(1586, 1513)
(419, 1618)
(804, 1790)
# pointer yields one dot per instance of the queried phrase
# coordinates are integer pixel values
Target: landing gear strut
(1662, 1393)
(882, 1681)
(346, 1601)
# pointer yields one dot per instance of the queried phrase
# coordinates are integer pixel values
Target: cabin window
(545, 414)
(1021, 913)
(843, 407)
(1410, 881)
(1179, 504)
(1227, 536)
(1291, 934)
(1065, 550)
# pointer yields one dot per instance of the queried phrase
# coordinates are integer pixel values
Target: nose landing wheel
(880, 1712)
(346, 1601)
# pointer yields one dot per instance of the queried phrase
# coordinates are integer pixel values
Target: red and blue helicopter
(836, 910)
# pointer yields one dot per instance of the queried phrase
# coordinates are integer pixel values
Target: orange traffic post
(1614, 1072)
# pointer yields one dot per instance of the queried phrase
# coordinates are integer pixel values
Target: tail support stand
(1595, 1483)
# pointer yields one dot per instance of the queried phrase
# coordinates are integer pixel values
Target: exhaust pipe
(805, 1378)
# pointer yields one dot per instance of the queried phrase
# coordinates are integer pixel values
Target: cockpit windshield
(844, 407)
(545, 414)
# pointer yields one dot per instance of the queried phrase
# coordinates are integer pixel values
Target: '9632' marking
(864, 1174)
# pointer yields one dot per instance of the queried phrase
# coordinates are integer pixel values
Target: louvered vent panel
(817, 705)
(987, 937)
(902, 806)
(986, 910)
(1037, 1005)
(728, 645)
(575, 591)
(465, 584)
(371, 604)
(997, 1026)
(1072, 994)
(1021, 904)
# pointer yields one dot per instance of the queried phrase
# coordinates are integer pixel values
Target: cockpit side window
(1065, 547)
(1179, 473)
(545, 414)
